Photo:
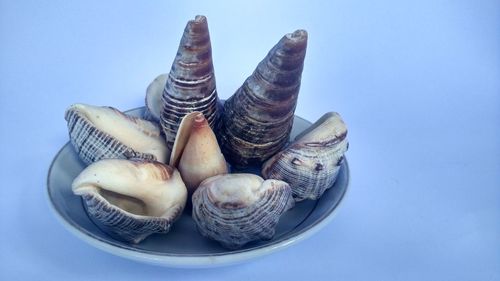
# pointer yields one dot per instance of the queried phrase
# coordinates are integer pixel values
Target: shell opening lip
(128, 204)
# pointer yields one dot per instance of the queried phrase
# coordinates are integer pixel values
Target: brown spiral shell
(258, 118)
(190, 85)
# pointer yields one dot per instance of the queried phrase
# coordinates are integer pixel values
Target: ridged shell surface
(235, 209)
(190, 85)
(311, 163)
(104, 132)
(131, 200)
(258, 118)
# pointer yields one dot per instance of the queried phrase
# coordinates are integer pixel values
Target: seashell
(131, 199)
(190, 85)
(311, 163)
(258, 118)
(196, 152)
(104, 132)
(153, 98)
(235, 209)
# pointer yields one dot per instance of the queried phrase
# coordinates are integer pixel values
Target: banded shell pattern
(131, 200)
(190, 85)
(311, 163)
(104, 132)
(258, 118)
(235, 209)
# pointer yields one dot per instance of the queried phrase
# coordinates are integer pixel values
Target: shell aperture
(131, 199)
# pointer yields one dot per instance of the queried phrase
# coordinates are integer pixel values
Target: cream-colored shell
(131, 199)
(196, 152)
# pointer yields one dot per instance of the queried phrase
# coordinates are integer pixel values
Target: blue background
(418, 83)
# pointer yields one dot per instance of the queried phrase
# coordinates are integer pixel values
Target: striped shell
(235, 209)
(258, 118)
(190, 85)
(104, 132)
(312, 162)
(131, 200)
(153, 98)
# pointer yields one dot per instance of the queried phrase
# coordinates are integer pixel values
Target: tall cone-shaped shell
(131, 199)
(258, 118)
(311, 163)
(235, 209)
(200, 156)
(190, 85)
(101, 132)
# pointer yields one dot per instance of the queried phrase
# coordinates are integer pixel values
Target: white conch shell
(311, 163)
(104, 132)
(196, 151)
(131, 199)
(235, 209)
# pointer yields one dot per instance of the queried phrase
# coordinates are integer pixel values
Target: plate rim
(193, 260)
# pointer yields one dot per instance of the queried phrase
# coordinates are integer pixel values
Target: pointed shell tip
(299, 34)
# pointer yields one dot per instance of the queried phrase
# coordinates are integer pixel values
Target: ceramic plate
(183, 246)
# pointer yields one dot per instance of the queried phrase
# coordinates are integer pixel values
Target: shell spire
(190, 85)
(258, 118)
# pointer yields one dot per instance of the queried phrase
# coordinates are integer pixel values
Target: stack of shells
(258, 118)
(190, 85)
